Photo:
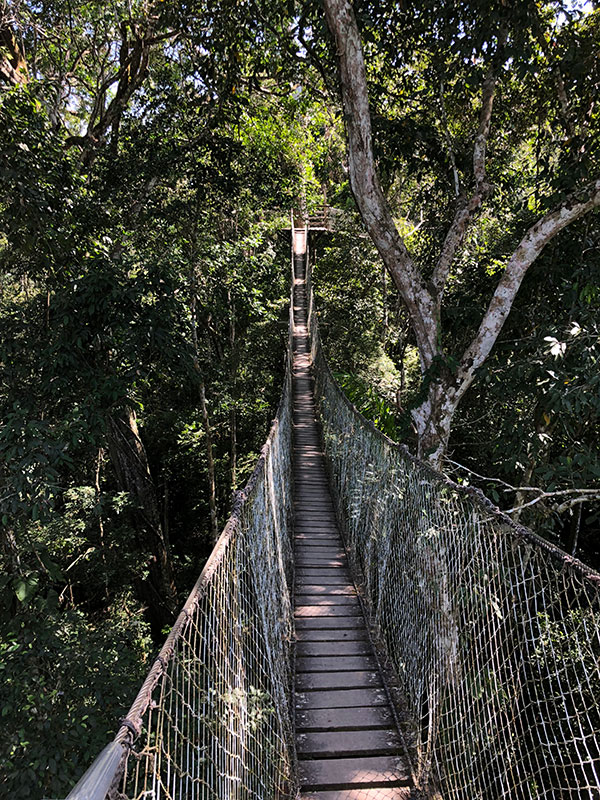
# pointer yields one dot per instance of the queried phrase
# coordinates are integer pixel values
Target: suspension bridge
(365, 629)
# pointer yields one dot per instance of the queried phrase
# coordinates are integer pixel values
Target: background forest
(149, 156)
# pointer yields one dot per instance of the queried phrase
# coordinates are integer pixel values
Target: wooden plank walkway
(347, 742)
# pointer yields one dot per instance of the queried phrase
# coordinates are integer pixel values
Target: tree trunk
(210, 462)
(212, 484)
(574, 529)
(233, 426)
(234, 368)
(13, 66)
(130, 463)
(433, 421)
(423, 299)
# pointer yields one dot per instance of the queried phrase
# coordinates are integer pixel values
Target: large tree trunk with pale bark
(433, 422)
(423, 300)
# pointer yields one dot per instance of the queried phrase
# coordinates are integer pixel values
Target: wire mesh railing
(214, 720)
(493, 633)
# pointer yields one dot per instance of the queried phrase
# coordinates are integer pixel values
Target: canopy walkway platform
(345, 562)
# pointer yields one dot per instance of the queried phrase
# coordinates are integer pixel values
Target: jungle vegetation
(150, 153)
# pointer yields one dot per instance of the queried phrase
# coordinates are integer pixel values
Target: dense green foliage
(531, 416)
(149, 156)
(137, 265)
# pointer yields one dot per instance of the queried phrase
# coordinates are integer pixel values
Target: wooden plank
(340, 698)
(302, 548)
(322, 548)
(346, 743)
(318, 540)
(313, 506)
(324, 563)
(328, 611)
(321, 562)
(306, 510)
(342, 589)
(334, 663)
(330, 539)
(368, 771)
(322, 622)
(313, 500)
(335, 648)
(324, 530)
(381, 793)
(357, 679)
(303, 599)
(311, 476)
(312, 472)
(340, 718)
(325, 575)
(333, 635)
(308, 516)
(318, 551)
(308, 446)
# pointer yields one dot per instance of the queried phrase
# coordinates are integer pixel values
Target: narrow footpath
(348, 745)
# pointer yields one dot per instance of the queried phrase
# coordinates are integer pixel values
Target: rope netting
(492, 631)
(218, 724)
(214, 719)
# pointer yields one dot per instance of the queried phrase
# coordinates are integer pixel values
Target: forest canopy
(150, 154)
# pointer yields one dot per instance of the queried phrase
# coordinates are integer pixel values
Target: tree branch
(530, 246)
(465, 211)
(448, 139)
(13, 66)
(582, 496)
(365, 184)
(509, 488)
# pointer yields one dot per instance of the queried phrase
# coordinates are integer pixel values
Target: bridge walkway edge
(347, 742)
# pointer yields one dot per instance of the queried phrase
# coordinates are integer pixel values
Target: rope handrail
(477, 495)
(256, 703)
(492, 631)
